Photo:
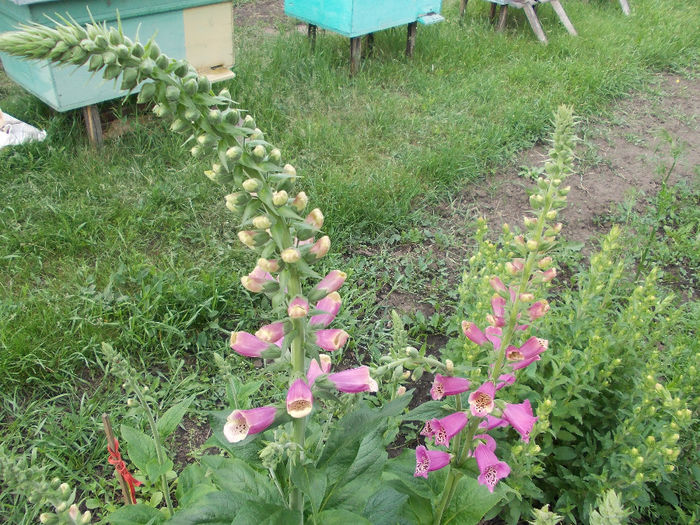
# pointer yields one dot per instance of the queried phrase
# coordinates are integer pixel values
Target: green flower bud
(79, 56)
(226, 94)
(235, 200)
(275, 155)
(250, 185)
(109, 57)
(417, 374)
(162, 62)
(196, 151)
(248, 121)
(101, 41)
(88, 45)
(203, 84)
(114, 37)
(280, 198)
(181, 68)
(122, 51)
(258, 153)
(257, 134)
(532, 245)
(96, 62)
(179, 125)
(262, 222)
(192, 114)
(190, 87)
(154, 51)
(234, 153)
(232, 116)
(137, 50)
(214, 116)
(551, 214)
(289, 170)
(146, 93)
(58, 50)
(205, 139)
(111, 72)
(172, 93)
(146, 67)
(130, 78)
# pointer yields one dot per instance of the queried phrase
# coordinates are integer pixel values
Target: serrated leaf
(251, 513)
(341, 517)
(385, 507)
(236, 476)
(136, 515)
(428, 410)
(216, 508)
(168, 422)
(312, 483)
(155, 470)
(471, 501)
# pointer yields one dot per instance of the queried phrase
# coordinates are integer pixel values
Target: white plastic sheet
(13, 131)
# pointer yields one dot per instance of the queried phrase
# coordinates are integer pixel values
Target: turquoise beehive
(353, 18)
(197, 30)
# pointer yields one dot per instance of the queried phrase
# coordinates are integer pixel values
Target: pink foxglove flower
(429, 460)
(528, 353)
(298, 308)
(498, 305)
(538, 309)
(491, 422)
(271, 333)
(472, 332)
(247, 344)
(315, 218)
(299, 399)
(329, 304)
(498, 285)
(256, 280)
(331, 282)
(446, 428)
(481, 401)
(505, 380)
(321, 247)
(487, 440)
(520, 418)
(242, 423)
(316, 369)
(331, 339)
(448, 386)
(493, 334)
(490, 469)
(354, 380)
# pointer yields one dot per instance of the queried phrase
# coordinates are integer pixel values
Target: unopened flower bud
(417, 374)
(675, 437)
(275, 155)
(557, 227)
(505, 228)
(131, 402)
(527, 297)
(290, 255)
(321, 247)
(411, 352)
(565, 190)
(519, 240)
(248, 121)
(536, 449)
(300, 201)
(551, 214)
(532, 245)
(556, 182)
(45, 517)
(639, 477)
(449, 366)
(258, 153)
(262, 222)
(406, 374)
(670, 468)
(247, 238)
(250, 185)
(658, 387)
(544, 263)
(651, 440)
(257, 134)
(529, 221)
(315, 218)
(289, 170)
(280, 198)
(268, 265)
(638, 461)
(517, 450)
(73, 512)
(400, 391)
(61, 506)
(234, 153)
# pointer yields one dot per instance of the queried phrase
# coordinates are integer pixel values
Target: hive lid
(27, 2)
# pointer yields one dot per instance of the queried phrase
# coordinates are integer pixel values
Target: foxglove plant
(313, 468)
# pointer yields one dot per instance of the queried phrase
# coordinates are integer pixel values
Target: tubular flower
(332, 339)
(290, 255)
(498, 304)
(538, 309)
(354, 380)
(316, 369)
(271, 333)
(491, 422)
(429, 460)
(247, 344)
(329, 304)
(315, 218)
(490, 469)
(448, 386)
(498, 285)
(299, 399)
(493, 334)
(242, 423)
(256, 280)
(487, 440)
(505, 380)
(481, 401)
(269, 265)
(446, 428)
(321, 247)
(331, 282)
(298, 308)
(472, 332)
(520, 418)
(528, 353)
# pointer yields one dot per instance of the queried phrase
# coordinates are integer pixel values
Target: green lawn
(131, 244)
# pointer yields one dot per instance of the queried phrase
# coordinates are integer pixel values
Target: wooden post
(93, 125)
(369, 44)
(492, 13)
(534, 23)
(462, 7)
(559, 10)
(625, 7)
(502, 15)
(110, 441)
(311, 34)
(355, 53)
(411, 38)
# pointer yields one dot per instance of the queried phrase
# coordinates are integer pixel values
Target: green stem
(156, 439)
(296, 498)
(450, 486)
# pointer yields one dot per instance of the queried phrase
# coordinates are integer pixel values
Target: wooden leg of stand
(411, 38)
(534, 23)
(502, 14)
(559, 10)
(625, 7)
(355, 54)
(492, 13)
(311, 33)
(462, 7)
(93, 125)
(369, 44)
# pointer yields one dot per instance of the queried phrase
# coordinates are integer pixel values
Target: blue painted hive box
(353, 18)
(200, 31)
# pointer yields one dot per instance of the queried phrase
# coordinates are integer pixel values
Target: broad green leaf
(471, 501)
(398, 473)
(428, 410)
(420, 509)
(564, 453)
(191, 476)
(155, 470)
(253, 513)
(217, 508)
(136, 515)
(385, 507)
(140, 447)
(341, 517)
(234, 475)
(168, 422)
(312, 483)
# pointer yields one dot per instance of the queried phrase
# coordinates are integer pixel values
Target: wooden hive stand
(530, 9)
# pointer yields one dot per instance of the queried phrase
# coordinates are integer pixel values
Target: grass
(131, 244)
